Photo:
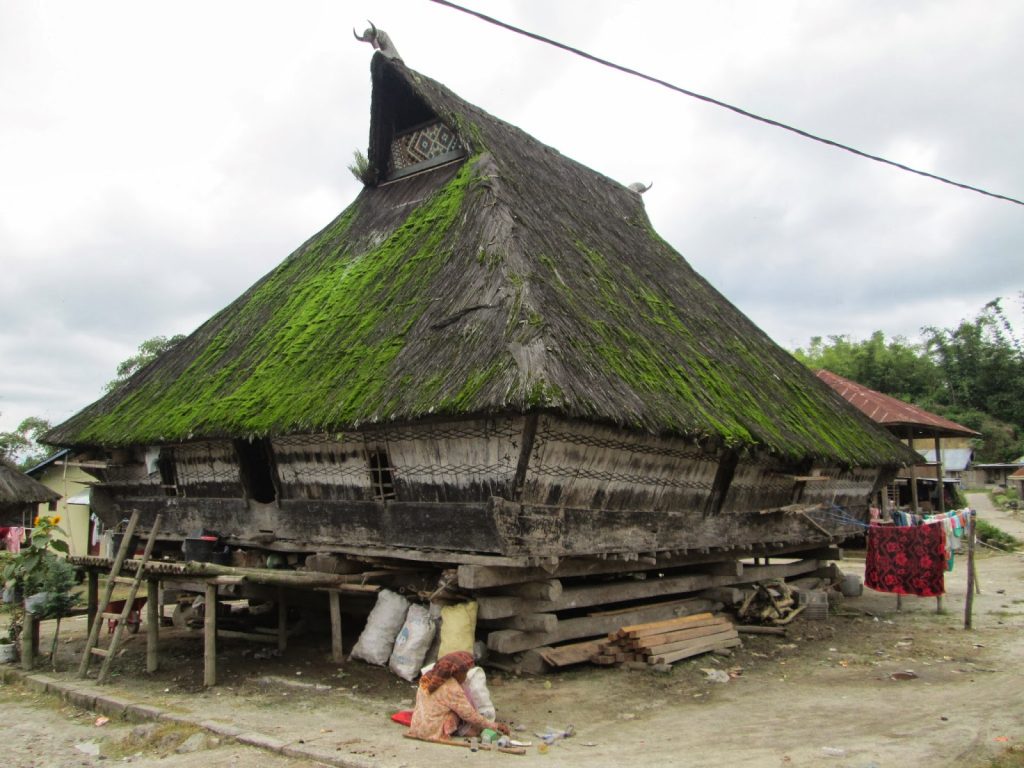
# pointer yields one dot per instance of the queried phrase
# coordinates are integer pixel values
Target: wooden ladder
(92, 645)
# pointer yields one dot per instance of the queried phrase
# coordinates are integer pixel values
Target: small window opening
(168, 473)
(256, 470)
(381, 475)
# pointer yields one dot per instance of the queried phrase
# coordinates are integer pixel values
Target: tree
(22, 445)
(147, 352)
(896, 367)
(981, 363)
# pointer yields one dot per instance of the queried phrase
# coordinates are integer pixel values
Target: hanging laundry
(906, 560)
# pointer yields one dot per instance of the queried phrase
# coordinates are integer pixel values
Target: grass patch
(151, 738)
(1011, 757)
(996, 537)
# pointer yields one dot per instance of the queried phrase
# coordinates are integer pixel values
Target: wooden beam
(335, 600)
(210, 637)
(152, 625)
(92, 598)
(512, 641)
(499, 606)
(752, 573)
(550, 589)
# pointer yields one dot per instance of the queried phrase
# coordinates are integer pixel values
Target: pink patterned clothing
(438, 715)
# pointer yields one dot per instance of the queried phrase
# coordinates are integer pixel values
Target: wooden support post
(913, 473)
(152, 625)
(336, 652)
(210, 637)
(282, 620)
(899, 602)
(938, 603)
(29, 628)
(969, 597)
(92, 597)
(938, 474)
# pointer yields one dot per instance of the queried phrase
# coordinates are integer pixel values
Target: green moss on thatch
(520, 281)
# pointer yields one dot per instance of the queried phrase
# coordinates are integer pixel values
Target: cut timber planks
(695, 649)
(502, 606)
(512, 641)
(663, 642)
(574, 653)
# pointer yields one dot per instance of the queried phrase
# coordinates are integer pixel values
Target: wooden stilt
(152, 625)
(282, 619)
(210, 637)
(92, 598)
(969, 598)
(336, 652)
(28, 651)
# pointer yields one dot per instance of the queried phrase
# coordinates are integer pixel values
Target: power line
(716, 102)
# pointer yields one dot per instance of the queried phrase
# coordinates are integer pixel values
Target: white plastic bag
(477, 692)
(382, 626)
(412, 643)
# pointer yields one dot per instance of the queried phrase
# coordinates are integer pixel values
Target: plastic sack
(382, 626)
(458, 628)
(412, 643)
(477, 692)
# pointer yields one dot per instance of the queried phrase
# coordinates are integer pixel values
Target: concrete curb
(88, 697)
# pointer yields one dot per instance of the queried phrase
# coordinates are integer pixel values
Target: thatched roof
(514, 281)
(18, 490)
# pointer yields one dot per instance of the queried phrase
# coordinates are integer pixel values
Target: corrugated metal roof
(953, 459)
(891, 412)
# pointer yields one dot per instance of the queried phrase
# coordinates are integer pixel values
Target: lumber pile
(665, 642)
(773, 603)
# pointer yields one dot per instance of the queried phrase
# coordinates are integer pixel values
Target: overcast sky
(158, 158)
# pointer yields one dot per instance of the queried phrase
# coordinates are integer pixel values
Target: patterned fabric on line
(906, 560)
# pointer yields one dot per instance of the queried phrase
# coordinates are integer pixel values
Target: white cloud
(155, 161)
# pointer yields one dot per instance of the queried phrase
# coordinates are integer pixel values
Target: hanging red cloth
(907, 560)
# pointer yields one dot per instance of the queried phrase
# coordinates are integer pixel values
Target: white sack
(412, 643)
(382, 627)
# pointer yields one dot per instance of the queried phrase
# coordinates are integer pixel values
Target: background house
(917, 486)
(63, 475)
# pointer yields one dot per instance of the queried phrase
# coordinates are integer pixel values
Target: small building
(20, 496)
(64, 475)
(919, 486)
(995, 474)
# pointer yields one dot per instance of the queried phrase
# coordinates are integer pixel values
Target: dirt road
(824, 695)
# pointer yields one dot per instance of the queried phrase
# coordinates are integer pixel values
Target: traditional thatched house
(20, 496)
(489, 353)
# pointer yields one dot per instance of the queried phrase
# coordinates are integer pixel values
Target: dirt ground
(823, 695)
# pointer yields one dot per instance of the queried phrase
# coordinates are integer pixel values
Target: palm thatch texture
(513, 281)
(19, 492)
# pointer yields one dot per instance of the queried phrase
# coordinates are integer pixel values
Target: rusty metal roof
(893, 413)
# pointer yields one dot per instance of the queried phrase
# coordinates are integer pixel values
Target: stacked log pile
(665, 642)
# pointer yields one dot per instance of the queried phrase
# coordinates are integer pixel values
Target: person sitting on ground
(442, 707)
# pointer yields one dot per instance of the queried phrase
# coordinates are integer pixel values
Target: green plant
(37, 570)
(993, 536)
(360, 167)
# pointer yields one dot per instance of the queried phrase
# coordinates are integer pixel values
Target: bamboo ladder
(92, 645)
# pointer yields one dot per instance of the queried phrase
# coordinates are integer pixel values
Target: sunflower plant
(39, 572)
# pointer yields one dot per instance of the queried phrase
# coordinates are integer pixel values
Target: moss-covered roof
(516, 280)
(19, 491)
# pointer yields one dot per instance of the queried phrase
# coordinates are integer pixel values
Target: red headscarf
(447, 667)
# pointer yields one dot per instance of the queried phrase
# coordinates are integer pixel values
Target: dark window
(256, 469)
(381, 478)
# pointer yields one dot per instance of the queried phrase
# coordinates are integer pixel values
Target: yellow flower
(55, 520)
(36, 520)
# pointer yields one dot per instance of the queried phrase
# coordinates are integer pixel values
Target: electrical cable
(725, 105)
